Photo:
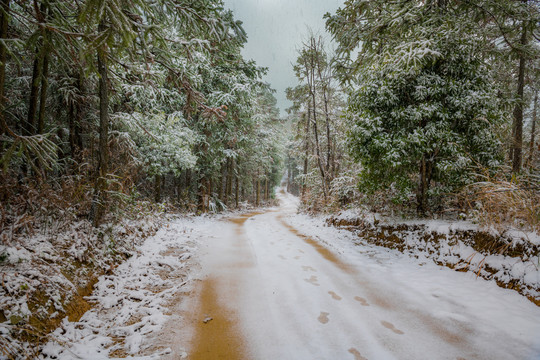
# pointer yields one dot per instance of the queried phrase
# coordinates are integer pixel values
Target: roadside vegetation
(419, 132)
(424, 109)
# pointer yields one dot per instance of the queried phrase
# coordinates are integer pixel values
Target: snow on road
(278, 285)
(295, 289)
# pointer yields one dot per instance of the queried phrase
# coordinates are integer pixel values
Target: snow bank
(129, 304)
(44, 276)
(512, 260)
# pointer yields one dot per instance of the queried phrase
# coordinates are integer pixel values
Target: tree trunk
(157, 188)
(221, 184)
(236, 191)
(422, 188)
(31, 126)
(289, 172)
(179, 186)
(60, 153)
(258, 189)
(533, 131)
(333, 161)
(4, 21)
(71, 125)
(312, 90)
(328, 141)
(75, 120)
(228, 189)
(99, 200)
(327, 118)
(243, 192)
(318, 151)
(205, 192)
(201, 195)
(103, 151)
(188, 183)
(306, 155)
(43, 95)
(517, 128)
(210, 192)
(44, 71)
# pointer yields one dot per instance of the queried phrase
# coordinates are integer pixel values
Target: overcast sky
(276, 29)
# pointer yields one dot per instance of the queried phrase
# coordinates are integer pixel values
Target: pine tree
(134, 92)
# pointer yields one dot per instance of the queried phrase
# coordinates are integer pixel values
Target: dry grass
(27, 207)
(12, 350)
(499, 203)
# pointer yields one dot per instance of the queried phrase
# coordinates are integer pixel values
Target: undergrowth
(499, 202)
(51, 255)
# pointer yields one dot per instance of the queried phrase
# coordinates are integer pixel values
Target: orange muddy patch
(242, 219)
(215, 334)
(327, 254)
(356, 354)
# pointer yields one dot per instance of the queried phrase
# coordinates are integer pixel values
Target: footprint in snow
(308, 268)
(334, 295)
(391, 326)
(356, 354)
(312, 280)
(297, 257)
(361, 300)
(323, 318)
(282, 257)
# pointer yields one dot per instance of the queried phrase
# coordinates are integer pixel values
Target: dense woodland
(427, 108)
(107, 103)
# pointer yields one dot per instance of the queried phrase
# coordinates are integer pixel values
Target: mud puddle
(216, 331)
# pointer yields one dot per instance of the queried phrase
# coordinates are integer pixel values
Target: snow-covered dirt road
(274, 285)
(280, 285)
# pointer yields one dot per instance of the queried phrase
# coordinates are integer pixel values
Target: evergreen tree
(422, 113)
(133, 96)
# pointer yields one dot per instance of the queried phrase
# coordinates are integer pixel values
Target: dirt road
(267, 291)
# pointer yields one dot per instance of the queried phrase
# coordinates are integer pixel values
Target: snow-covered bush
(423, 114)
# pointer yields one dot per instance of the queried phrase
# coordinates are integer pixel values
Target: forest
(421, 110)
(117, 113)
(109, 102)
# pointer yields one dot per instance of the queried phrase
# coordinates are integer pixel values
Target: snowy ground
(277, 285)
(131, 304)
(512, 258)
